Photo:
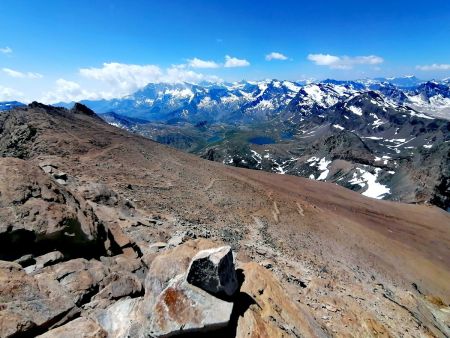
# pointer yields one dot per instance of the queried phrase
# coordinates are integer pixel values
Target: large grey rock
(167, 265)
(213, 270)
(185, 308)
(78, 328)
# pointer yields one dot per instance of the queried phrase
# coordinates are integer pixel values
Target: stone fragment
(26, 260)
(119, 236)
(213, 270)
(155, 247)
(99, 193)
(78, 277)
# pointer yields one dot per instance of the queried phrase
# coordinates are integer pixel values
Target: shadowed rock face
(213, 270)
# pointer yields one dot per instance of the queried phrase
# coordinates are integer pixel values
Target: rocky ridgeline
(69, 269)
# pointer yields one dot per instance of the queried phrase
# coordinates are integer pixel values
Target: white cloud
(21, 75)
(434, 67)
(6, 50)
(125, 78)
(179, 74)
(231, 62)
(68, 91)
(10, 94)
(344, 62)
(276, 56)
(198, 63)
(114, 80)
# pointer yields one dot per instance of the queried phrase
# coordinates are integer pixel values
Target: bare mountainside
(331, 262)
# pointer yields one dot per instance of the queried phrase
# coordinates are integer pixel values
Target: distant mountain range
(248, 101)
(8, 105)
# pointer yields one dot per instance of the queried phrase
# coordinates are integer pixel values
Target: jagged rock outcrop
(39, 215)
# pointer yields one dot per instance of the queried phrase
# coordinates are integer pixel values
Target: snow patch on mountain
(355, 110)
(374, 188)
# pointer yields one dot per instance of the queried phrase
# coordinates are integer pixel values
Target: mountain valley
(385, 138)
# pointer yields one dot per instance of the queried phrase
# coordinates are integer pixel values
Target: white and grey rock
(185, 308)
(117, 320)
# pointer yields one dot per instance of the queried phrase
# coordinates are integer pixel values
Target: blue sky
(62, 50)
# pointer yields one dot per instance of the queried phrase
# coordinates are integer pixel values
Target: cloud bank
(113, 80)
(344, 62)
(198, 63)
(9, 94)
(434, 67)
(21, 75)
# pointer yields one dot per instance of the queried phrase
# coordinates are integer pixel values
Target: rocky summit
(105, 233)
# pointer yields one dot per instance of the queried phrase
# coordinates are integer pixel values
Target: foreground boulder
(167, 266)
(213, 270)
(192, 289)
